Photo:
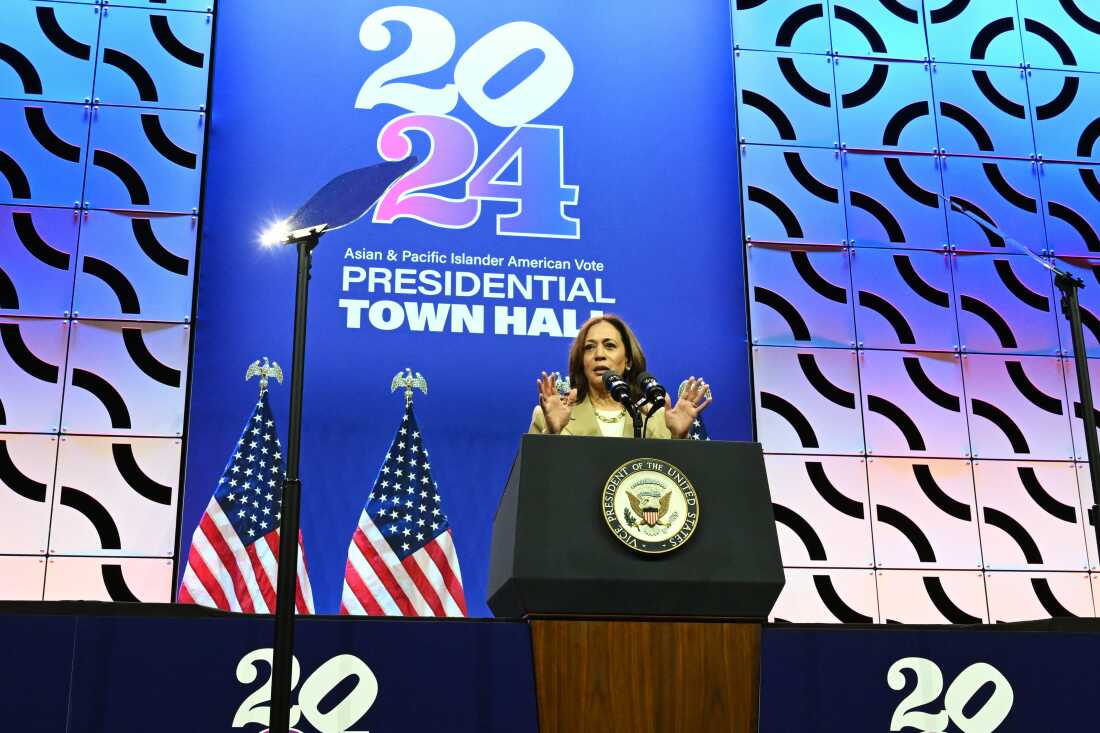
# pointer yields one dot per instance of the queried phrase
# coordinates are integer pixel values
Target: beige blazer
(583, 422)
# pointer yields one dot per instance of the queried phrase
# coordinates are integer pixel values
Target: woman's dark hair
(634, 355)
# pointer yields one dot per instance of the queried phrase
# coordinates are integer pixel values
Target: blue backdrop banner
(573, 159)
(944, 680)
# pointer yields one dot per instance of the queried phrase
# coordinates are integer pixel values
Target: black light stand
(286, 590)
(1069, 285)
(1071, 307)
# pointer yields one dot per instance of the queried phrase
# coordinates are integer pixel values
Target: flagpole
(286, 590)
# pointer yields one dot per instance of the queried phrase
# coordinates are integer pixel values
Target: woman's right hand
(555, 408)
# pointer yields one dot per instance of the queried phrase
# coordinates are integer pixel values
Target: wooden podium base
(646, 676)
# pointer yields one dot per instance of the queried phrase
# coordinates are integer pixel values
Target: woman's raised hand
(694, 399)
(555, 408)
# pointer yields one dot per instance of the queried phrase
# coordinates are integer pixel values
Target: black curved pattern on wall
(155, 251)
(835, 604)
(95, 513)
(797, 524)
(23, 357)
(795, 322)
(24, 69)
(908, 528)
(116, 585)
(792, 415)
(33, 242)
(168, 40)
(900, 419)
(137, 479)
(943, 603)
(146, 362)
(832, 496)
(126, 173)
(111, 277)
(128, 65)
(158, 138)
(15, 176)
(16, 480)
(51, 28)
(106, 394)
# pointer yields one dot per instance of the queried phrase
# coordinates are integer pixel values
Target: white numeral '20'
(432, 45)
(342, 715)
(928, 686)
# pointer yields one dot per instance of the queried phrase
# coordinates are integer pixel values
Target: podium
(664, 637)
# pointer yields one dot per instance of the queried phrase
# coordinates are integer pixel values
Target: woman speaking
(605, 343)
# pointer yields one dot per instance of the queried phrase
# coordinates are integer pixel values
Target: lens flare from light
(276, 233)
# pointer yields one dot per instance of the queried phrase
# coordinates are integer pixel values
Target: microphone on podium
(652, 389)
(617, 387)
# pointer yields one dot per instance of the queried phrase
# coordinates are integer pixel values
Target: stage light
(277, 233)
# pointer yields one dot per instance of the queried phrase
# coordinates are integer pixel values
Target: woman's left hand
(694, 399)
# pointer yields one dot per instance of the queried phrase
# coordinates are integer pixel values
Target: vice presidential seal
(650, 505)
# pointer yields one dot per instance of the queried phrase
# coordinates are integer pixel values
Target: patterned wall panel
(42, 152)
(103, 108)
(126, 580)
(931, 597)
(153, 58)
(792, 195)
(827, 596)
(801, 296)
(130, 507)
(1027, 596)
(783, 98)
(894, 201)
(46, 51)
(26, 490)
(126, 379)
(36, 272)
(787, 25)
(961, 351)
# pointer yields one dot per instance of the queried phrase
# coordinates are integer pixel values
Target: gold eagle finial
(264, 371)
(407, 380)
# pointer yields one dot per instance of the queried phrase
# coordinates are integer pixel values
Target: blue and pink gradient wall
(102, 108)
(912, 382)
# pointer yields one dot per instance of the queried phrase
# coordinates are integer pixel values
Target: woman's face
(603, 351)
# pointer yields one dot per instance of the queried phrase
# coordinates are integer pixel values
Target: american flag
(233, 563)
(698, 430)
(402, 560)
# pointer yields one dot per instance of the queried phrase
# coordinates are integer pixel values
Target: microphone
(617, 387)
(652, 389)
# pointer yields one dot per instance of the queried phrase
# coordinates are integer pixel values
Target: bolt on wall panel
(37, 267)
(784, 25)
(1060, 34)
(827, 596)
(792, 195)
(894, 201)
(1017, 407)
(126, 379)
(23, 578)
(32, 362)
(913, 404)
(153, 58)
(1067, 122)
(974, 31)
(821, 512)
(904, 300)
(807, 400)
(893, 29)
(136, 268)
(26, 492)
(1006, 305)
(42, 152)
(922, 513)
(800, 296)
(116, 496)
(785, 99)
(145, 159)
(1071, 209)
(885, 105)
(47, 51)
(932, 597)
(127, 580)
(1030, 516)
(1028, 596)
(982, 110)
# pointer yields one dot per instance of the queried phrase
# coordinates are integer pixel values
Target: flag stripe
(233, 543)
(418, 579)
(195, 592)
(445, 557)
(228, 563)
(372, 583)
(267, 593)
(386, 554)
(360, 594)
(426, 564)
(198, 563)
(393, 588)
